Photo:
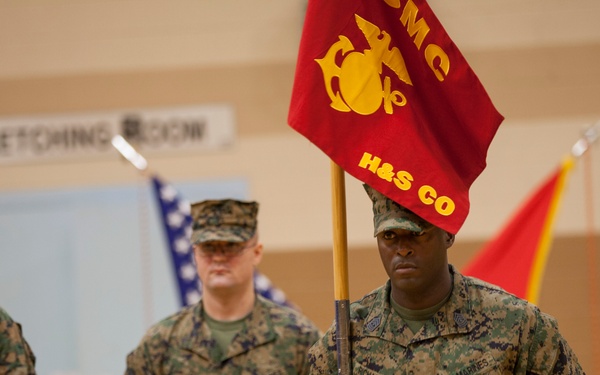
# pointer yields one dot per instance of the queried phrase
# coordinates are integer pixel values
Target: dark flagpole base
(342, 326)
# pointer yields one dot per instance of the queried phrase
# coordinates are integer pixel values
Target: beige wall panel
(41, 37)
(53, 38)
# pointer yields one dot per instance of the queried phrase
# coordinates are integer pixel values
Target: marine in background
(231, 330)
(16, 356)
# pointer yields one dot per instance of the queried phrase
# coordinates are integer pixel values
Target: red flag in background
(515, 258)
(384, 92)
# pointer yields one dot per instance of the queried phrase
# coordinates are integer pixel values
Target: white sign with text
(82, 135)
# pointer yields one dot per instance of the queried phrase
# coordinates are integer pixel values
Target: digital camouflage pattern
(275, 340)
(482, 329)
(388, 214)
(223, 220)
(16, 357)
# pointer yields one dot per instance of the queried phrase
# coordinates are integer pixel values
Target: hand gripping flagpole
(340, 269)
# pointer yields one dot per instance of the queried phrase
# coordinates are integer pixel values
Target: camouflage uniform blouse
(480, 330)
(275, 340)
(16, 357)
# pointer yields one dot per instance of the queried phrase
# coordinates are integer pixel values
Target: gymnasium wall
(547, 93)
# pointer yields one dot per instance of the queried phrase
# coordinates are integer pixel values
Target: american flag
(175, 215)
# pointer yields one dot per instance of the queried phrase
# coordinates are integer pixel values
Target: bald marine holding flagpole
(383, 91)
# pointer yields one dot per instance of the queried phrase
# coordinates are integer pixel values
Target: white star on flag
(175, 219)
(192, 296)
(187, 271)
(185, 207)
(168, 193)
(182, 245)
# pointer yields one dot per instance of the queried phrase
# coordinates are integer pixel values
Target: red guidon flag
(516, 257)
(384, 92)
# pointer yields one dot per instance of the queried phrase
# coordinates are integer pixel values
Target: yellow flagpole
(340, 268)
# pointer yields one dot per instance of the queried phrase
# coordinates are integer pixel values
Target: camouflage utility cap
(388, 215)
(224, 220)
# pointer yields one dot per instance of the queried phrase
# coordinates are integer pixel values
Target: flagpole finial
(129, 153)
(590, 135)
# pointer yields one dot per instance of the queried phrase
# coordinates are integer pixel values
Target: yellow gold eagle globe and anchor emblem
(361, 89)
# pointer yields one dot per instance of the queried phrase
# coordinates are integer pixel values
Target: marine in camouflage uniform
(480, 330)
(477, 328)
(16, 356)
(270, 339)
(274, 340)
